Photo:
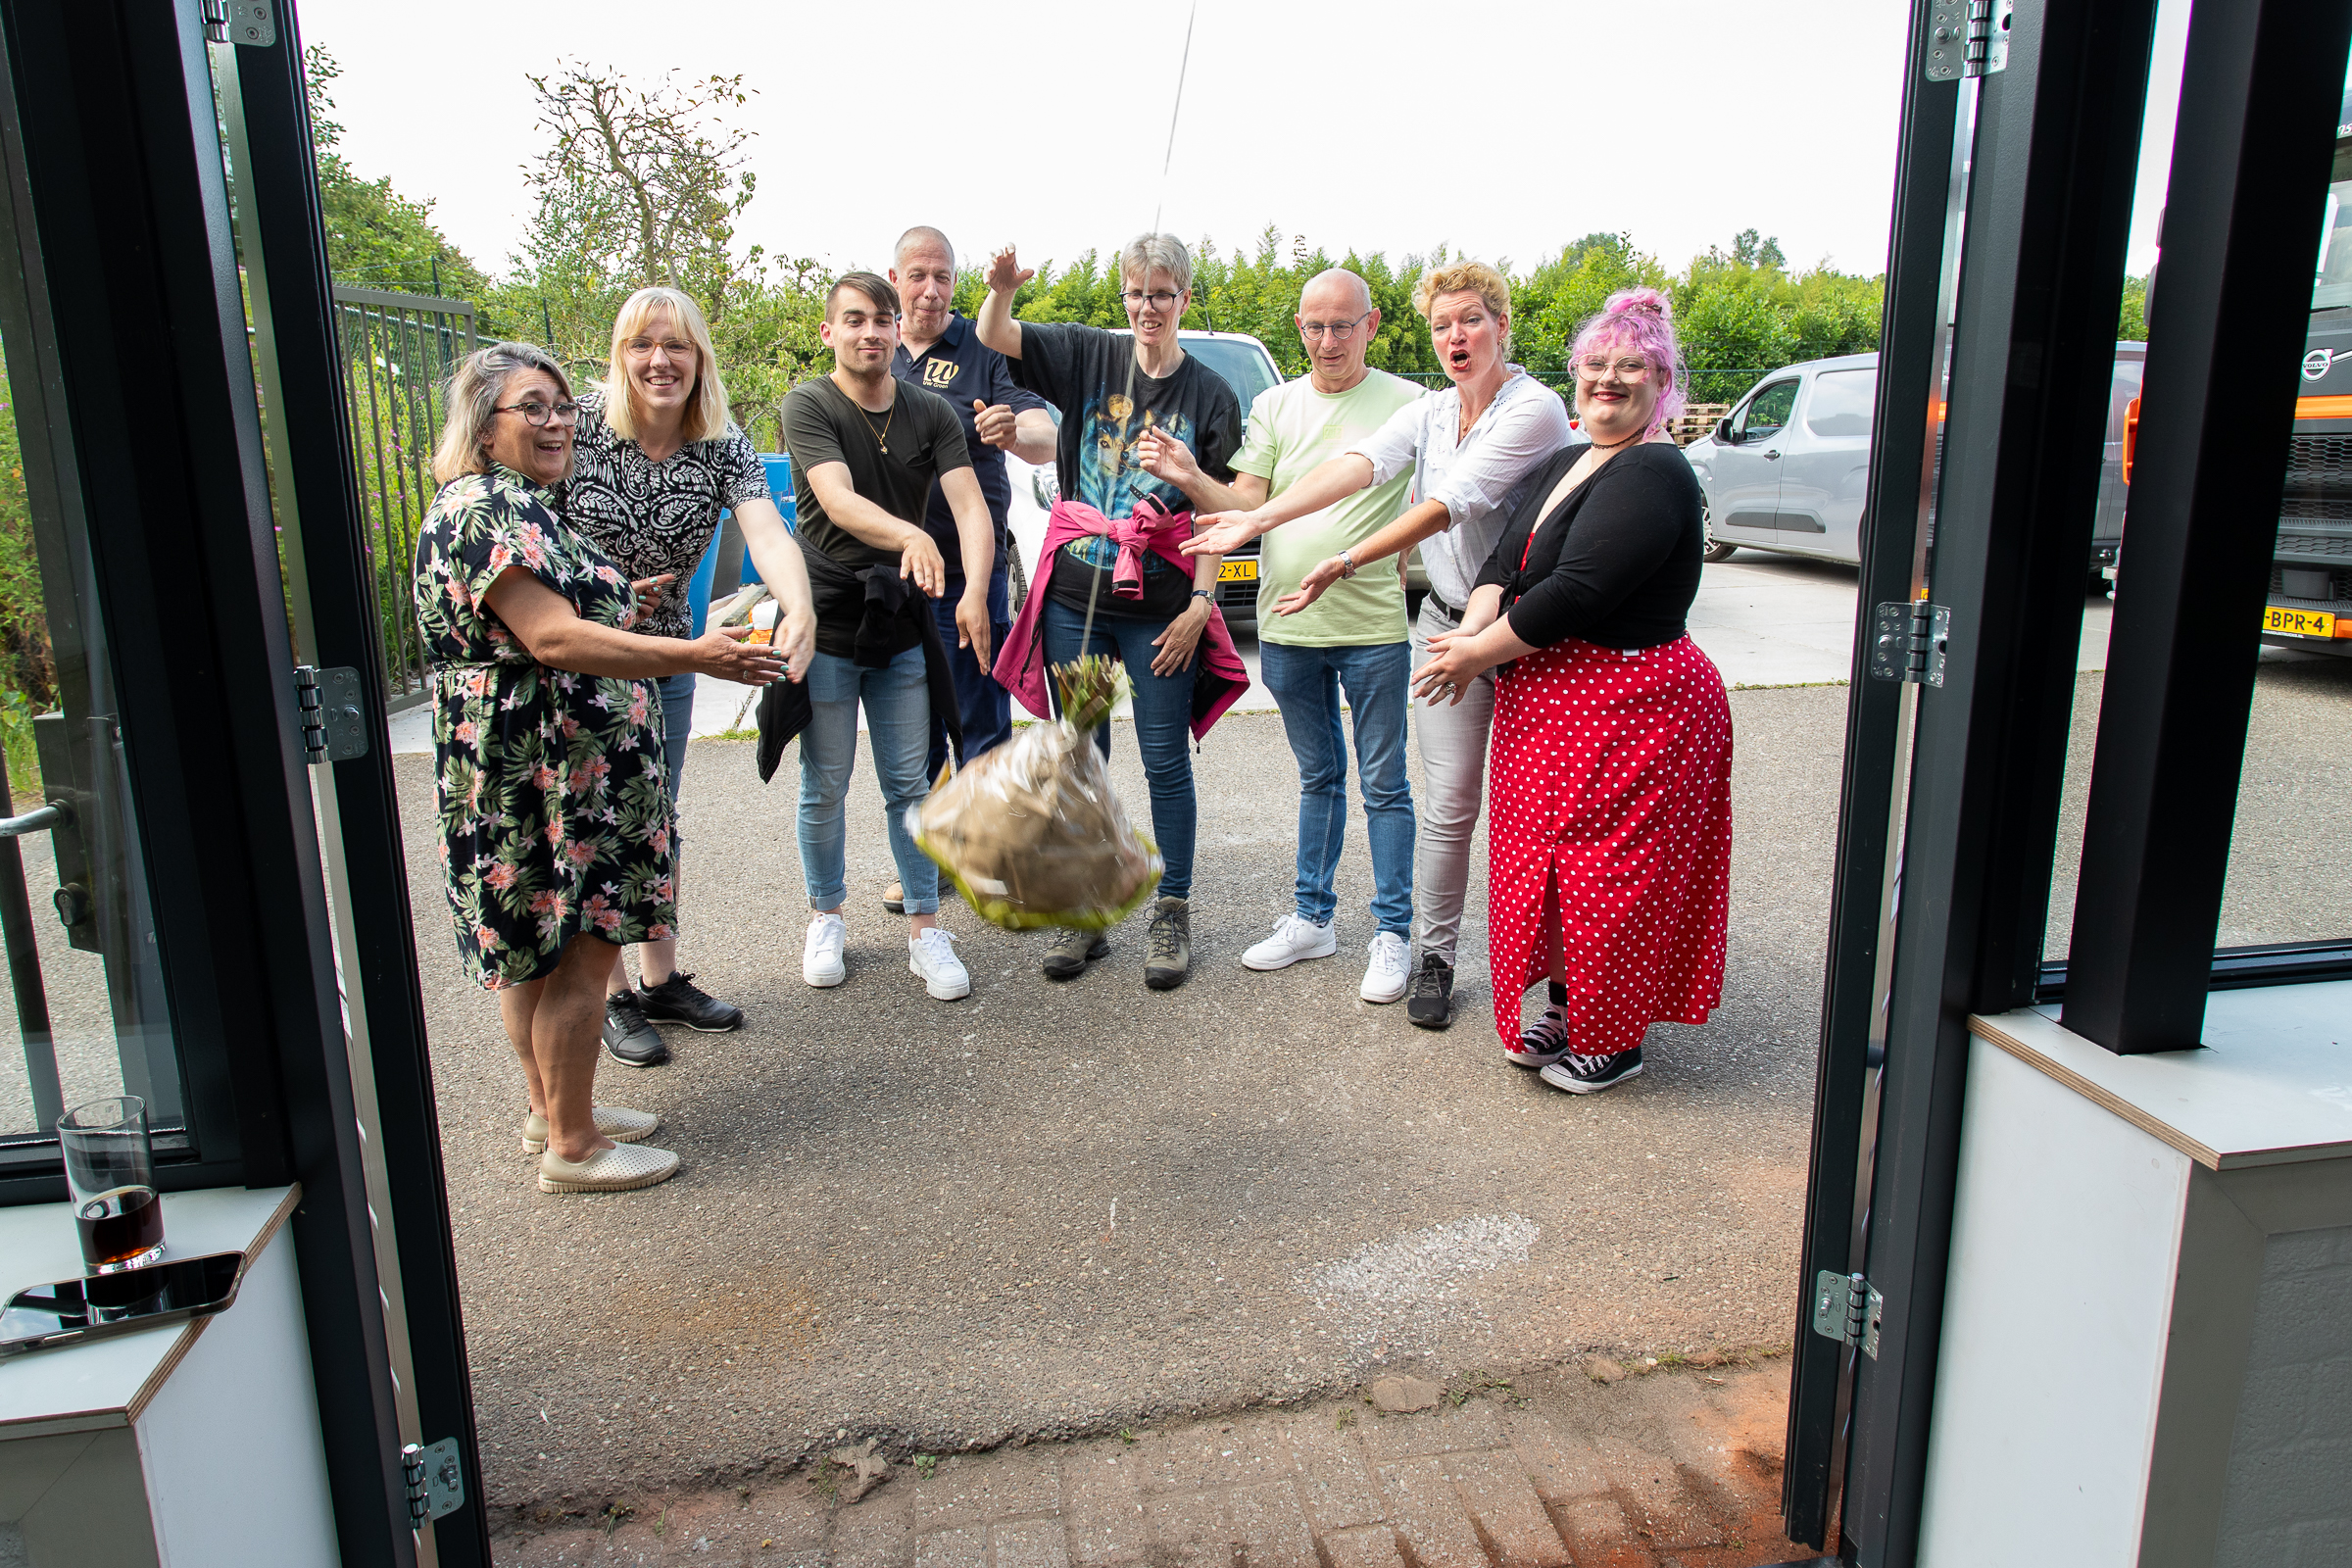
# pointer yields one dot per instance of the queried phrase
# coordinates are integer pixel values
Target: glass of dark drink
(110, 1169)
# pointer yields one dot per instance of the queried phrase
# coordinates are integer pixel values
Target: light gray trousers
(1452, 742)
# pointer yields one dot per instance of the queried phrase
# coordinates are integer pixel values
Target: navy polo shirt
(961, 367)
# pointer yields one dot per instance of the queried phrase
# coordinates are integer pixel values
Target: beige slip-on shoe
(623, 1168)
(616, 1122)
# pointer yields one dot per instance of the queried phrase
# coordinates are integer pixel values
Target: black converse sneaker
(1541, 1043)
(1589, 1075)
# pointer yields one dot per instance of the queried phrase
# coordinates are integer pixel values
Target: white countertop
(2272, 1085)
(107, 1383)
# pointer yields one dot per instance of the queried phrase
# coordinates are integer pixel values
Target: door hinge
(1908, 642)
(1967, 38)
(246, 21)
(334, 728)
(1846, 1308)
(436, 1481)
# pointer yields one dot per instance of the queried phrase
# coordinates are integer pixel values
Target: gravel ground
(1051, 1209)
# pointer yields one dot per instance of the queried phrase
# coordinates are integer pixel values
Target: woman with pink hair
(1609, 815)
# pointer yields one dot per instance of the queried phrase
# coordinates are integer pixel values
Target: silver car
(1787, 470)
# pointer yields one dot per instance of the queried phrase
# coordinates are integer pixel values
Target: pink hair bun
(1628, 300)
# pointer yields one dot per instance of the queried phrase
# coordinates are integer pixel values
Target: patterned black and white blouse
(653, 517)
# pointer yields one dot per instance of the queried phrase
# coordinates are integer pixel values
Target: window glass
(1840, 403)
(1240, 363)
(1770, 411)
(85, 973)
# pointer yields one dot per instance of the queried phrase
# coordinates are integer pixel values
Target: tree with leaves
(376, 236)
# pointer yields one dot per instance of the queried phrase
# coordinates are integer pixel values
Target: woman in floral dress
(554, 813)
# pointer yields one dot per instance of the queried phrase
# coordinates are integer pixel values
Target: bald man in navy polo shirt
(939, 352)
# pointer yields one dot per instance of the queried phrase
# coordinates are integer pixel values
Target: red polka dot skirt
(1611, 778)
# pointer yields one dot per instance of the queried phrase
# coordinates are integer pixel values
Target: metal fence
(398, 352)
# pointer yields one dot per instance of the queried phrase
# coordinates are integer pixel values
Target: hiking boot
(1294, 938)
(628, 1038)
(1589, 1075)
(1169, 944)
(1067, 957)
(1432, 1002)
(1541, 1043)
(1386, 969)
(931, 954)
(678, 1000)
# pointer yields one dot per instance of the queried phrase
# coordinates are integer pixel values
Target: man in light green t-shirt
(1352, 639)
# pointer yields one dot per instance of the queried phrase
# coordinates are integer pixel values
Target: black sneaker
(1072, 951)
(678, 1000)
(1168, 945)
(1429, 1003)
(1589, 1075)
(628, 1038)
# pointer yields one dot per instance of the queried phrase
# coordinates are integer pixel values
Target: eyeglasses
(537, 413)
(1338, 331)
(1158, 299)
(1593, 369)
(641, 347)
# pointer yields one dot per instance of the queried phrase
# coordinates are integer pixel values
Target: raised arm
(995, 325)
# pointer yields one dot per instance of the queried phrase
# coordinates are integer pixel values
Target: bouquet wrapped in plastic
(1030, 833)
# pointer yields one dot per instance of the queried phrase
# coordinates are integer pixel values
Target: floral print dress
(556, 818)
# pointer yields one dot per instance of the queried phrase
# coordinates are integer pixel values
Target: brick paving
(1570, 1467)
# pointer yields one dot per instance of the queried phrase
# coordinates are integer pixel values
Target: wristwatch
(1347, 562)
(1209, 594)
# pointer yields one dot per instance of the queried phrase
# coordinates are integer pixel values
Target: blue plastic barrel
(779, 486)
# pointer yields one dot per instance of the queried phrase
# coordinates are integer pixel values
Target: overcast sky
(1503, 133)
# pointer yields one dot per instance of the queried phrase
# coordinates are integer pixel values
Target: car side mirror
(1723, 431)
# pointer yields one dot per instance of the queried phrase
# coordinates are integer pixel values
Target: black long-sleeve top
(1616, 563)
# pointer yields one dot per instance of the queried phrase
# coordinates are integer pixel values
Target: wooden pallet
(1696, 420)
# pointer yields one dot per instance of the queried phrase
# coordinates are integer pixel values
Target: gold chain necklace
(882, 436)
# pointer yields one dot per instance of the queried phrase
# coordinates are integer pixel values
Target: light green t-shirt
(1293, 428)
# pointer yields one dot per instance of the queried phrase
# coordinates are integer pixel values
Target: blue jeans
(1306, 684)
(985, 706)
(1163, 723)
(898, 717)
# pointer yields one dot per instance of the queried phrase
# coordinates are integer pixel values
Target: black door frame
(2048, 202)
(135, 318)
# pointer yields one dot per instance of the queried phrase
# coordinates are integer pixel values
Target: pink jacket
(1020, 667)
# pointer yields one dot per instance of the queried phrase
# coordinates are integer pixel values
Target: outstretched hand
(1221, 533)
(722, 652)
(1006, 272)
(1311, 587)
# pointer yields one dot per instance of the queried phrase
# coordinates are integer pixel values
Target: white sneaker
(820, 957)
(1386, 976)
(932, 954)
(1293, 939)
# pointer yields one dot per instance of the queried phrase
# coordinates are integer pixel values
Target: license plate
(1237, 571)
(2298, 622)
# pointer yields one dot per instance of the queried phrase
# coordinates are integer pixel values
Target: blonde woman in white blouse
(1466, 444)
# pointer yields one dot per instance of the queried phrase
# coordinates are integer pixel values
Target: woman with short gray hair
(554, 809)
(1110, 560)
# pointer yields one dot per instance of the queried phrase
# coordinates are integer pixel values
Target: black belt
(1446, 612)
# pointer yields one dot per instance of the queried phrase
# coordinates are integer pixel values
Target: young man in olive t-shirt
(866, 448)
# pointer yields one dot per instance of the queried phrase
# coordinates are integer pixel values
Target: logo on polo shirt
(940, 372)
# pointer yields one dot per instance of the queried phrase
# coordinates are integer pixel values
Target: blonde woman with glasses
(658, 462)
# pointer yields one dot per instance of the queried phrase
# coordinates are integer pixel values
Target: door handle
(1775, 456)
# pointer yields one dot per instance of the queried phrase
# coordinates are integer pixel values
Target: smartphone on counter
(71, 1312)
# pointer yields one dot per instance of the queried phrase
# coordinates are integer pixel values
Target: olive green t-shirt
(1294, 428)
